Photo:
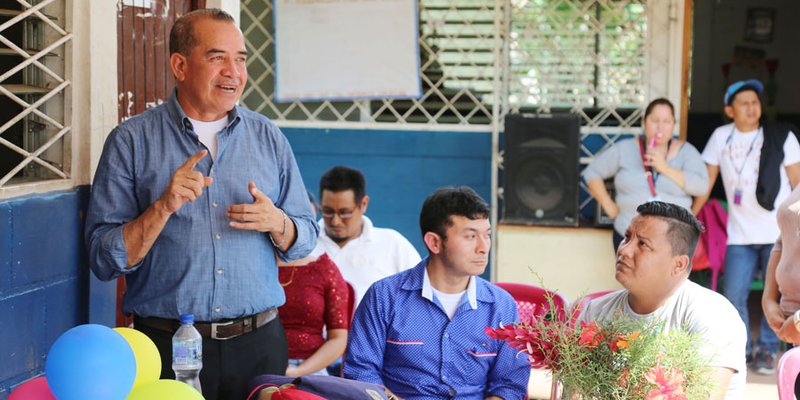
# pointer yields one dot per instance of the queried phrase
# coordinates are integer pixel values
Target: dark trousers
(228, 365)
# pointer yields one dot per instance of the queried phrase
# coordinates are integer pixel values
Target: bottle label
(187, 353)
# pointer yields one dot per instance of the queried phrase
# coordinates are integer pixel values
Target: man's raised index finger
(192, 161)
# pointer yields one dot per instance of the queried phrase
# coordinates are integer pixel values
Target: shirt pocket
(478, 359)
(406, 351)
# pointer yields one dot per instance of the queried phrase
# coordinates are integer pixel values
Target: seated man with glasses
(364, 253)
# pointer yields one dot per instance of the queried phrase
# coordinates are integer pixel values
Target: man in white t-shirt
(653, 265)
(363, 253)
(737, 151)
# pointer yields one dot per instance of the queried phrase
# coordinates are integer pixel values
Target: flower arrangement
(620, 358)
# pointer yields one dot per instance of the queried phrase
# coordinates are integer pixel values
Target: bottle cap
(187, 319)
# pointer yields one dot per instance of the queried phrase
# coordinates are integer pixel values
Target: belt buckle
(214, 326)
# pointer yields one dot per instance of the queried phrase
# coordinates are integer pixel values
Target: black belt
(222, 330)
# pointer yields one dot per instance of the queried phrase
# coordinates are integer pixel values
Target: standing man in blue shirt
(190, 202)
(420, 332)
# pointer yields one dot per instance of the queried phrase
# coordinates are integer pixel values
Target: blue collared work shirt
(198, 264)
(406, 342)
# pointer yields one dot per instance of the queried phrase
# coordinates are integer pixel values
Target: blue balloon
(90, 362)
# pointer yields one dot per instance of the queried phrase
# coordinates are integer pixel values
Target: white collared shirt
(373, 255)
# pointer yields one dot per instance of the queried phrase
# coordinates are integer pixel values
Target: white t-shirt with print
(748, 222)
(696, 310)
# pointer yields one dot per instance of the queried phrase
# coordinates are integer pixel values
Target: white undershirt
(450, 301)
(207, 132)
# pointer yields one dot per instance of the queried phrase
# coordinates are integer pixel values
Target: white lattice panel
(33, 129)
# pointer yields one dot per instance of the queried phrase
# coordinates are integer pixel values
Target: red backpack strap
(258, 389)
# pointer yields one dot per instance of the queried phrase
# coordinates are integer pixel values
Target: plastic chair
(351, 307)
(788, 369)
(581, 303)
(530, 299)
(351, 300)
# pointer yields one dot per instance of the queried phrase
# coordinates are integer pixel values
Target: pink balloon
(34, 389)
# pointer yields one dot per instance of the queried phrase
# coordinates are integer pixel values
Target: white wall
(719, 26)
(572, 261)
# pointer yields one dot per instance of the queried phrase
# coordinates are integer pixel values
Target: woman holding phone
(652, 166)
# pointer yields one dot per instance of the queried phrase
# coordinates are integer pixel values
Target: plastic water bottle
(187, 353)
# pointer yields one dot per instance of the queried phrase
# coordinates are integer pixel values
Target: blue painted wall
(401, 167)
(43, 279)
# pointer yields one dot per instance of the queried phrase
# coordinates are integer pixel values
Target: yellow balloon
(148, 360)
(164, 389)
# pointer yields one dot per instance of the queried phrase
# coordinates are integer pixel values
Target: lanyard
(649, 172)
(729, 144)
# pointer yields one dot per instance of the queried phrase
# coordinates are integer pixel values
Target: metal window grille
(33, 123)
(585, 57)
(458, 60)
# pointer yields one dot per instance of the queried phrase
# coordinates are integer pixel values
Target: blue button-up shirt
(198, 264)
(406, 342)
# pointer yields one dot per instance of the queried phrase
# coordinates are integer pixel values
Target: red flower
(536, 341)
(590, 335)
(624, 341)
(669, 386)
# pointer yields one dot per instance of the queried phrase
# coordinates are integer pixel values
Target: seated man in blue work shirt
(420, 332)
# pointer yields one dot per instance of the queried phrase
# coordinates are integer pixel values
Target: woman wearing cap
(653, 166)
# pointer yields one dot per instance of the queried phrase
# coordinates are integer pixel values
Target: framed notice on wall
(346, 49)
(760, 25)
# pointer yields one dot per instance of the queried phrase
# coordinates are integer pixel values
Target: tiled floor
(761, 387)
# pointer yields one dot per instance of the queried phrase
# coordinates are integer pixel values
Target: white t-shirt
(748, 223)
(373, 255)
(697, 310)
(449, 301)
(207, 132)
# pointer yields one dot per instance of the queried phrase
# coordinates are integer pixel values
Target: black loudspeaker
(541, 170)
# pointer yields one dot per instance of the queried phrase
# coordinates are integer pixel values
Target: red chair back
(581, 303)
(533, 300)
(351, 300)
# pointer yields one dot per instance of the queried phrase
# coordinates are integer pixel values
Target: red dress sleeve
(337, 295)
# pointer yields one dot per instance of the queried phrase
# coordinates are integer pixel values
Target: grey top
(623, 161)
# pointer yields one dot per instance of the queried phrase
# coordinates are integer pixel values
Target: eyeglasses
(343, 215)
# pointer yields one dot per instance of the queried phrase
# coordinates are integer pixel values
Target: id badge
(737, 196)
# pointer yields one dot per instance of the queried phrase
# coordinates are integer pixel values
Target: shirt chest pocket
(477, 359)
(408, 349)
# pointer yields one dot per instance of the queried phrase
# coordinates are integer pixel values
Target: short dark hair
(182, 37)
(446, 202)
(341, 178)
(659, 102)
(684, 229)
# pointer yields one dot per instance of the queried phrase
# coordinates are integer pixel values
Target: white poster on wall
(346, 49)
